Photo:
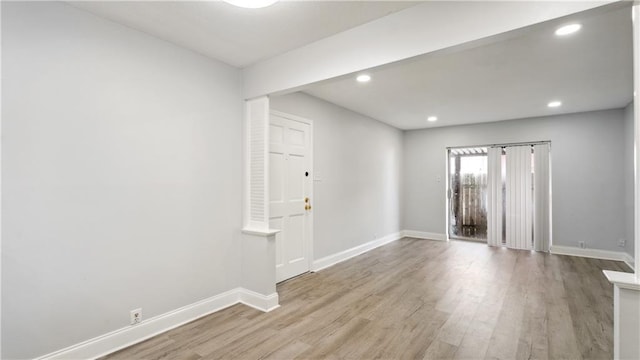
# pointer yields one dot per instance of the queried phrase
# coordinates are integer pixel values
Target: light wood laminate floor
(416, 299)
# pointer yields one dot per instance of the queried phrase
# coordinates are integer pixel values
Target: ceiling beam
(421, 29)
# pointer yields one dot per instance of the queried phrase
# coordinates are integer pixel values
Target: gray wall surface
(629, 178)
(122, 176)
(359, 163)
(588, 184)
(121, 165)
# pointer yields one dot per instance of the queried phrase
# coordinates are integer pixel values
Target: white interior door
(290, 187)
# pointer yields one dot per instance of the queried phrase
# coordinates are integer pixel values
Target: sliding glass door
(468, 193)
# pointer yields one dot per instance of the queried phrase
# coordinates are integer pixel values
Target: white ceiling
(509, 79)
(506, 79)
(237, 36)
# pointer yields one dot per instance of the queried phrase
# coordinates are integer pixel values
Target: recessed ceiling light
(568, 29)
(251, 4)
(554, 104)
(363, 78)
(432, 118)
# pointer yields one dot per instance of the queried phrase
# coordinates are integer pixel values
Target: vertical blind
(518, 197)
(542, 194)
(494, 196)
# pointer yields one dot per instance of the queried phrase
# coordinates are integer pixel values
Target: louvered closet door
(289, 185)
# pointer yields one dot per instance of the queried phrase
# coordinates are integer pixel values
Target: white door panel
(276, 134)
(276, 171)
(290, 192)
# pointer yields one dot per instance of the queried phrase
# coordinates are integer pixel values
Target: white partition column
(258, 241)
(626, 286)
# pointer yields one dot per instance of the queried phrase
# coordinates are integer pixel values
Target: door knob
(306, 200)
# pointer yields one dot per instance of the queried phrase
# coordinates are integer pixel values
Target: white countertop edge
(260, 232)
(623, 279)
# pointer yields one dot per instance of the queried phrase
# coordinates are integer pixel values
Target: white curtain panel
(494, 197)
(542, 196)
(519, 198)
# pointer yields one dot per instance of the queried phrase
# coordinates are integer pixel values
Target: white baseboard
(130, 335)
(424, 235)
(261, 302)
(330, 260)
(593, 253)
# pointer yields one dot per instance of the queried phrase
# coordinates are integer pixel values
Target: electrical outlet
(582, 245)
(622, 242)
(135, 316)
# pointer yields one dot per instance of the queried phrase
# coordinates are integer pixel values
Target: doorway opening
(468, 193)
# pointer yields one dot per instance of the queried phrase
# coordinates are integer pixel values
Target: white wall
(359, 163)
(587, 153)
(121, 164)
(629, 164)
